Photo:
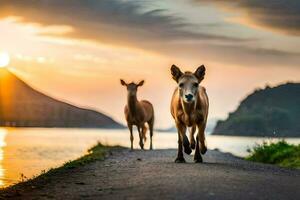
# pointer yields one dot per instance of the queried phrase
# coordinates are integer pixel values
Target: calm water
(28, 151)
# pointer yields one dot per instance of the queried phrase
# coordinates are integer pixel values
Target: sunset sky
(78, 50)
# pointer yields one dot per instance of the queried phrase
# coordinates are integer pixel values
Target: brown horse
(189, 108)
(138, 113)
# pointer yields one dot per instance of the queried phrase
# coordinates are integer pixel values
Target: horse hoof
(193, 146)
(188, 150)
(203, 150)
(142, 146)
(180, 160)
(198, 160)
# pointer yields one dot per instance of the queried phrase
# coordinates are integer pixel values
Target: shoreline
(97, 152)
(91, 175)
(102, 152)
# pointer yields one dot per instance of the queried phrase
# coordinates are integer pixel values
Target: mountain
(23, 106)
(266, 112)
(210, 125)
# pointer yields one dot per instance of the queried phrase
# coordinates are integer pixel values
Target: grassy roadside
(280, 153)
(96, 153)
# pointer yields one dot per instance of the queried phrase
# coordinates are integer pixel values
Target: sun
(4, 59)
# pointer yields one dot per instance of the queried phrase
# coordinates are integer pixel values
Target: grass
(280, 153)
(97, 152)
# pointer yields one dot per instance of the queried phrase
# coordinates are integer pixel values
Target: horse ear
(176, 73)
(200, 72)
(141, 83)
(123, 82)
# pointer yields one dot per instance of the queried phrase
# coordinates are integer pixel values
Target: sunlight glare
(4, 59)
(3, 133)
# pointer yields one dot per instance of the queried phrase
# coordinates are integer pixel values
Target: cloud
(237, 55)
(282, 16)
(130, 24)
(107, 21)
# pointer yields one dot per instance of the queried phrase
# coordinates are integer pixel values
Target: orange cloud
(281, 16)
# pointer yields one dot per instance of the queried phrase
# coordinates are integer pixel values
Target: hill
(266, 112)
(23, 106)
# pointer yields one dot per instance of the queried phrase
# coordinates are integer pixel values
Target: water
(29, 151)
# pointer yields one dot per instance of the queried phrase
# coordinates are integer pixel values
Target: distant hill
(266, 112)
(23, 106)
(209, 127)
(167, 130)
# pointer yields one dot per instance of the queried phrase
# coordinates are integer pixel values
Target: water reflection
(3, 133)
(28, 151)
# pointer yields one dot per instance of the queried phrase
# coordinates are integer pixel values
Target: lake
(29, 151)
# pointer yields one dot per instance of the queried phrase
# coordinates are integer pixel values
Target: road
(154, 175)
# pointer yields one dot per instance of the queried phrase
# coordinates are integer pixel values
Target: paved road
(154, 175)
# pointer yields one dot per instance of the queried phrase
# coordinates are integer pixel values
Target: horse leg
(181, 129)
(197, 156)
(141, 136)
(150, 124)
(131, 135)
(201, 135)
(192, 139)
(185, 141)
(144, 132)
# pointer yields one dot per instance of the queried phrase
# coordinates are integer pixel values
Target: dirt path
(154, 175)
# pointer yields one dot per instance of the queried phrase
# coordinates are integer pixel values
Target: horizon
(79, 58)
(212, 121)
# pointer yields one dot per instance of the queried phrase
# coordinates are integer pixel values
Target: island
(271, 112)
